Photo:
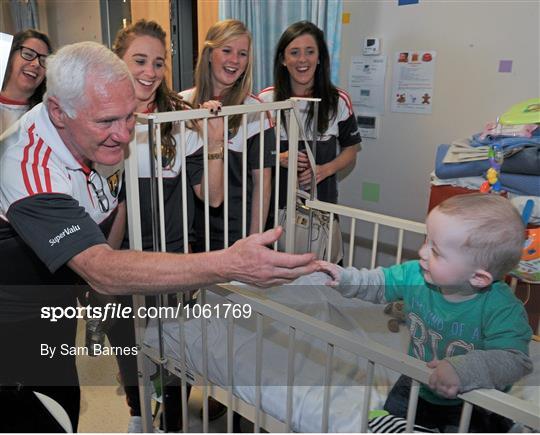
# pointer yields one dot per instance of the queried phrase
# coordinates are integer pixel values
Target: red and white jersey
(342, 132)
(343, 114)
(10, 112)
(34, 160)
(53, 202)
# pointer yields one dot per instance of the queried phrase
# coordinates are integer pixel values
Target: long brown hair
(18, 41)
(218, 35)
(165, 100)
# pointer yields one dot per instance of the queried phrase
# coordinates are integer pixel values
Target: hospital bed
(305, 359)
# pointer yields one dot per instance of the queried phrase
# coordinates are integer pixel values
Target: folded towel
(461, 151)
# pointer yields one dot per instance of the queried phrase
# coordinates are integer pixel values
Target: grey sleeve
(363, 284)
(495, 368)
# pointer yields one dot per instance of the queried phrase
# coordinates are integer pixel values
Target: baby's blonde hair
(495, 231)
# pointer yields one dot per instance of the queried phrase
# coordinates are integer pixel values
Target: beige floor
(103, 405)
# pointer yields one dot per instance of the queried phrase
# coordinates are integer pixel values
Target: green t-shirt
(494, 319)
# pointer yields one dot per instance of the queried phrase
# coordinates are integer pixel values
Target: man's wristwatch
(217, 155)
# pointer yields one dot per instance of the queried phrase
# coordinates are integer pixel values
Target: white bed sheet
(346, 398)
(309, 296)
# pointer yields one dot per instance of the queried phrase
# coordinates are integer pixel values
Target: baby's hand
(444, 379)
(331, 269)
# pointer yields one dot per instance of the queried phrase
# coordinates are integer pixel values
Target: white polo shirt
(53, 202)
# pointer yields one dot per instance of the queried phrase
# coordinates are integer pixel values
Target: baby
(462, 319)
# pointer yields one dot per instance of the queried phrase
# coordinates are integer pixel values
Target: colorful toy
(496, 158)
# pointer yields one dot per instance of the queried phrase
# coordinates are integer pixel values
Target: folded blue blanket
(516, 183)
(457, 170)
(506, 142)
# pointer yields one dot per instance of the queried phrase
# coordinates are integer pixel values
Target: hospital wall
(470, 37)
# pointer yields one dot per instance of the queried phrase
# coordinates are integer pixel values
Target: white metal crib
(524, 412)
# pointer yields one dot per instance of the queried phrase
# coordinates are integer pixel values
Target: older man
(57, 208)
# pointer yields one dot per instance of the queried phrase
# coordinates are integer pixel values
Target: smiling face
(300, 58)
(228, 63)
(102, 127)
(443, 260)
(26, 75)
(145, 58)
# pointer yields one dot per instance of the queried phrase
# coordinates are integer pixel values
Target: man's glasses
(95, 181)
(29, 55)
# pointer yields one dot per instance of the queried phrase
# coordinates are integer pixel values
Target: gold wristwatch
(217, 155)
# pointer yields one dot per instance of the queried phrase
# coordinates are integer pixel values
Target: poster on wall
(412, 81)
(366, 83)
(5, 47)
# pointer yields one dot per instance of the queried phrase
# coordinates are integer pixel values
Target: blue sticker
(407, 2)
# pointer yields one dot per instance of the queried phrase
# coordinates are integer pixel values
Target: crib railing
(516, 409)
(376, 354)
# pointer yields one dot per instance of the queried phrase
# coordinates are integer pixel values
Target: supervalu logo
(66, 232)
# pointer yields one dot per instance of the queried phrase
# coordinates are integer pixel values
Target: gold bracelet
(217, 155)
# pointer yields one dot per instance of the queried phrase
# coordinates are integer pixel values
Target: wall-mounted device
(372, 46)
(368, 125)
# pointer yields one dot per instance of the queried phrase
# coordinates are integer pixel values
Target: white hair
(69, 68)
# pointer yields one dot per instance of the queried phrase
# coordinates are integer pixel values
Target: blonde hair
(218, 35)
(495, 233)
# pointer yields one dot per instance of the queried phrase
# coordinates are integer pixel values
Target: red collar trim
(151, 108)
(6, 100)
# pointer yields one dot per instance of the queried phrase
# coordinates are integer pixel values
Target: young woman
(142, 47)
(223, 74)
(24, 82)
(302, 69)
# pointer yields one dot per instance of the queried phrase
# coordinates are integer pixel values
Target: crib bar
(351, 242)
(290, 378)
(135, 242)
(465, 419)
(183, 174)
(292, 180)
(230, 373)
(205, 187)
(153, 186)
(226, 181)
(327, 384)
(204, 331)
(258, 373)
(183, 366)
(244, 176)
(330, 230)
(374, 245)
(261, 172)
(161, 205)
(370, 370)
(413, 403)
(158, 234)
(277, 172)
(399, 246)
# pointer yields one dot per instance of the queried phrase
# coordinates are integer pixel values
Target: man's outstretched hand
(252, 262)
